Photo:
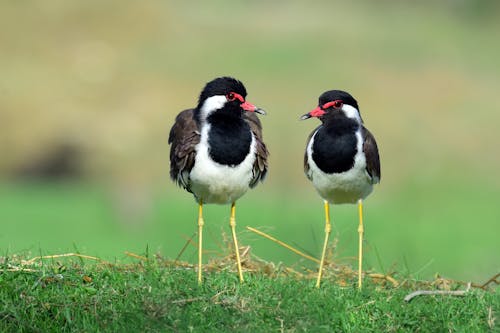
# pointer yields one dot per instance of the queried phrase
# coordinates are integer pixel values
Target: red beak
(251, 108)
(318, 112)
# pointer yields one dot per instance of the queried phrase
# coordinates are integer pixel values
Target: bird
(217, 151)
(341, 160)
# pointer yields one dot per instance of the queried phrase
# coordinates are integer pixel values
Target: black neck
(335, 145)
(229, 137)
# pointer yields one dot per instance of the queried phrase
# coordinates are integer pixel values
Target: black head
(222, 86)
(334, 103)
(224, 95)
(334, 95)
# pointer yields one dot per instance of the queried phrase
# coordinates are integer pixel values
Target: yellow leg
(200, 237)
(328, 229)
(232, 224)
(360, 254)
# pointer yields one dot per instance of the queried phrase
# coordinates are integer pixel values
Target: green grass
(158, 297)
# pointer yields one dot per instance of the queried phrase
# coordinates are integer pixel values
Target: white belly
(344, 187)
(212, 182)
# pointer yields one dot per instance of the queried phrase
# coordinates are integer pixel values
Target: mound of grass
(162, 296)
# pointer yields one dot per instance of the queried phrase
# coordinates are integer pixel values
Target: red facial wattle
(337, 104)
(232, 96)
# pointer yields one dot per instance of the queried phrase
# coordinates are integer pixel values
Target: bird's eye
(231, 97)
(337, 104)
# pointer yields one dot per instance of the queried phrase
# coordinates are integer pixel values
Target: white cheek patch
(211, 104)
(351, 112)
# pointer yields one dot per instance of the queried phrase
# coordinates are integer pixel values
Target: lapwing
(341, 160)
(217, 152)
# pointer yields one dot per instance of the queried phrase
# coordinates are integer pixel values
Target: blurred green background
(90, 89)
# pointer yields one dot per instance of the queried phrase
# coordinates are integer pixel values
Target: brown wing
(306, 165)
(184, 136)
(372, 158)
(260, 165)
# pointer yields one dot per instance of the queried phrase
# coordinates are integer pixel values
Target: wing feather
(184, 136)
(372, 157)
(260, 165)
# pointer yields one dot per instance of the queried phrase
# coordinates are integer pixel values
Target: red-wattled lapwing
(341, 160)
(217, 151)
